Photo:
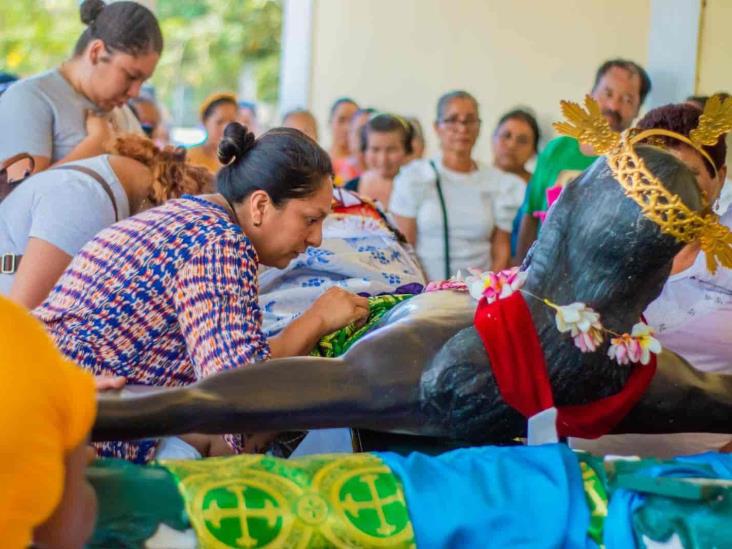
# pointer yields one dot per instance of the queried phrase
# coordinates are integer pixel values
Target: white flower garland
(580, 321)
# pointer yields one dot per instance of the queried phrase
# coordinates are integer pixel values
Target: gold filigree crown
(657, 203)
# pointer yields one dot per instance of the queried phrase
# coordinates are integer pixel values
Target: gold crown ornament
(657, 203)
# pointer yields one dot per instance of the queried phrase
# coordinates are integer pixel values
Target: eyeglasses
(453, 122)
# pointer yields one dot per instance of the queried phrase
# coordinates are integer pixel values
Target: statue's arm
(362, 389)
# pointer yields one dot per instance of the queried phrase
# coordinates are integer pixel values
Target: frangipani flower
(624, 349)
(494, 286)
(648, 344)
(634, 347)
(575, 318)
(581, 322)
(589, 341)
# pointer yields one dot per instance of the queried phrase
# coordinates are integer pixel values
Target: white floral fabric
(359, 254)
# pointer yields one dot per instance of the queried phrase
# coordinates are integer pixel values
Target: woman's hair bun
(90, 10)
(236, 143)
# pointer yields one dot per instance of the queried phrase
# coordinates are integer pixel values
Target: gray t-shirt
(63, 207)
(44, 116)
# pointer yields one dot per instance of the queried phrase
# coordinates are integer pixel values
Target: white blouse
(477, 202)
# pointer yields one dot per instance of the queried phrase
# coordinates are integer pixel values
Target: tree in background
(210, 45)
(36, 34)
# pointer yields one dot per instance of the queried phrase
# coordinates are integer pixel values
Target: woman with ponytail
(169, 296)
(70, 112)
(47, 219)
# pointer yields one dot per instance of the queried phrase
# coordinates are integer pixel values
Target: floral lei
(580, 321)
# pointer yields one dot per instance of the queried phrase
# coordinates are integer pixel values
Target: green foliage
(36, 35)
(207, 45)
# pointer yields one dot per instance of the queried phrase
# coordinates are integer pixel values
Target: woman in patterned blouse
(170, 296)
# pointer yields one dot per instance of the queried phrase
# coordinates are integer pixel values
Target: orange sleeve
(47, 407)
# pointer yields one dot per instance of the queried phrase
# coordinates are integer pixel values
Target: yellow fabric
(47, 407)
(197, 157)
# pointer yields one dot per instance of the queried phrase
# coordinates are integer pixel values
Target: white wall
(714, 70)
(401, 55)
(297, 33)
(715, 48)
(673, 49)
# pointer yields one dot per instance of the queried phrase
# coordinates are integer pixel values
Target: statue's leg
(682, 399)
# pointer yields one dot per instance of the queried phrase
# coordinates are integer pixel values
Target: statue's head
(598, 247)
(610, 239)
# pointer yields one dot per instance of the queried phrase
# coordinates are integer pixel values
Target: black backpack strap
(99, 179)
(446, 233)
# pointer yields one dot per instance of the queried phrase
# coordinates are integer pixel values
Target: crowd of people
(142, 261)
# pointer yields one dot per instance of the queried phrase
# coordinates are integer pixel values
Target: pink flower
(588, 341)
(494, 286)
(440, 285)
(634, 347)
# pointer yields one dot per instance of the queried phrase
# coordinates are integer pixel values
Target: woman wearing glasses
(456, 211)
(70, 112)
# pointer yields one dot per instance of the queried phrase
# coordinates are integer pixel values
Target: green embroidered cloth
(339, 342)
(315, 501)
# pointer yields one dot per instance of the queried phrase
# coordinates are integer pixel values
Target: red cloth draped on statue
(517, 360)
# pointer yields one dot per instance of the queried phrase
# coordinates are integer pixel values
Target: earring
(715, 206)
(257, 223)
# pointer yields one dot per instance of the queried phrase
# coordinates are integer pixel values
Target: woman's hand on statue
(109, 383)
(337, 308)
(332, 311)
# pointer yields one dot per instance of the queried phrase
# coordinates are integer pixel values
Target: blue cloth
(619, 531)
(495, 497)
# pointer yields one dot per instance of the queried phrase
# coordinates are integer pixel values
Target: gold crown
(657, 203)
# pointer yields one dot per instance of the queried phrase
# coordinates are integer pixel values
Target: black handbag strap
(6, 185)
(99, 179)
(446, 233)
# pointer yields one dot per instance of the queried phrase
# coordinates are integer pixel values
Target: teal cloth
(528, 497)
(699, 523)
(133, 502)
